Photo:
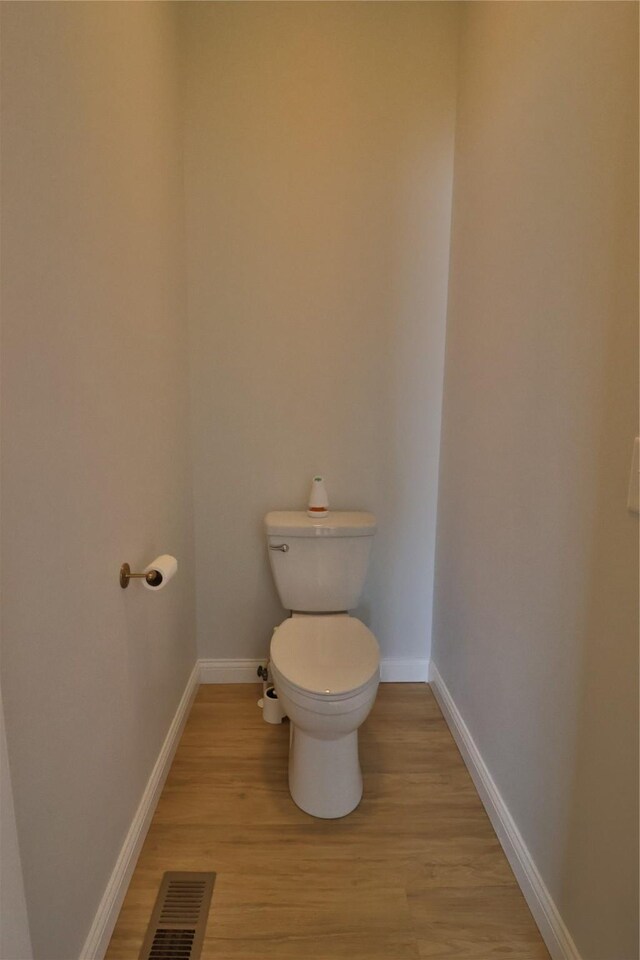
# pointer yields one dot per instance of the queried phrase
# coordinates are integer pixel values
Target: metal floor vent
(179, 918)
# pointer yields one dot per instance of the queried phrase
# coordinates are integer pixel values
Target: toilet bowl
(326, 671)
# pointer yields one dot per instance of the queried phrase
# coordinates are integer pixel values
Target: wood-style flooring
(415, 873)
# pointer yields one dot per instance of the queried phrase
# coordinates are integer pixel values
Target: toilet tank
(319, 566)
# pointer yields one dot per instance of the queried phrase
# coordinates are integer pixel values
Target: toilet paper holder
(153, 577)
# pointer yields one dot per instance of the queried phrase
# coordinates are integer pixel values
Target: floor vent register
(179, 918)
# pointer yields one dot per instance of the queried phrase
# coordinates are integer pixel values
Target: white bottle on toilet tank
(318, 507)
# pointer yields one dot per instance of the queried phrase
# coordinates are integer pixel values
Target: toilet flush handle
(283, 547)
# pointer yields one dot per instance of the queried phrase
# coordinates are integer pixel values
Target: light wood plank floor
(415, 873)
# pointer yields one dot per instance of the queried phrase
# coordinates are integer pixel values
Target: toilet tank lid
(338, 523)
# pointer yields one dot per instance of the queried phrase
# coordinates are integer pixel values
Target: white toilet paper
(271, 709)
(166, 567)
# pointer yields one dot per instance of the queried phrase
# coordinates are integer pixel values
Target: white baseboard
(105, 919)
(395, 670)
(245, 671)
(551, 925)
(229, 671)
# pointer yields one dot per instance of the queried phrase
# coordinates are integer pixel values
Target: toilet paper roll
(165, 566)
(271, 708)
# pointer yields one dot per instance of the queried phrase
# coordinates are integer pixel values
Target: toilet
(325, 664)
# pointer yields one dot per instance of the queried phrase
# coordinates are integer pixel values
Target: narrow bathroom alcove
(395, 244)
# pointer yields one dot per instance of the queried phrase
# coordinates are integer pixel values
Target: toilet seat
(328, 657)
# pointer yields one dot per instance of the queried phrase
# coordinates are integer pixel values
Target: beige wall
(95, 460)
(535, 628)
(319, 143)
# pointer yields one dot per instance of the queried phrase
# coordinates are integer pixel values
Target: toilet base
(325, 779)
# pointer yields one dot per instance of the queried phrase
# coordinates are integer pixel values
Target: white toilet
(325, 664)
